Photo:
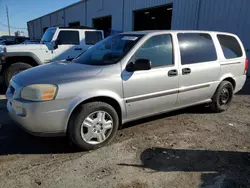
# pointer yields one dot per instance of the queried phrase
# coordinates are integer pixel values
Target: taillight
(246, 66)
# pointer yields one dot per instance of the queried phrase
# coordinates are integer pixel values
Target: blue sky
(21, 11)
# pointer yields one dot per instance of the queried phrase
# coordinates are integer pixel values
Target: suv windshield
(48, 35)
(109, 51)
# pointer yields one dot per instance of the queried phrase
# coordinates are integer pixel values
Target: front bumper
(39, 118)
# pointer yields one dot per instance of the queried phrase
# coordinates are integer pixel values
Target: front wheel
(223, 97)
(13, 70)
(94, 126)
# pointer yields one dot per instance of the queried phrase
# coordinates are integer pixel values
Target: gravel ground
(187, 148)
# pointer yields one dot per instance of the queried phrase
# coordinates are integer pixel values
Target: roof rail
(77, 27)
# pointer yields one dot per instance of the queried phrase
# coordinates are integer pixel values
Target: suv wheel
(222, 98)
(94, 126)
(13, 70)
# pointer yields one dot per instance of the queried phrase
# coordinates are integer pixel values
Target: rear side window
(196, 48)
(69, 37)
(92, 37)
(230, 46)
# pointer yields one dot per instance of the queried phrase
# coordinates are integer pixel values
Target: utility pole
(7, 13)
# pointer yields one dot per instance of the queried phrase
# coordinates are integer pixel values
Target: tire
(218, 104)
(13, 70)
(78, 133)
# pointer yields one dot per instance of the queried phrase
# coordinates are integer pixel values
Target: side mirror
(56, 43)
(139, 65)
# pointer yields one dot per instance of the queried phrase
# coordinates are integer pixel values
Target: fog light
(20, 111)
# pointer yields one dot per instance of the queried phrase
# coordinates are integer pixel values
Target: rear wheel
(222, 99)
(13, 70)
(94, 126)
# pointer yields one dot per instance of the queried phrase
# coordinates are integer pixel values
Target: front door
(199, 69)
(68, 45)
(152, 91)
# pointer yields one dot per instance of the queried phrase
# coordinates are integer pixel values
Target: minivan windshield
(109, 51)
(48, 35)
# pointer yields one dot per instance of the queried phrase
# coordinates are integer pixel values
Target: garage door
(156, 18)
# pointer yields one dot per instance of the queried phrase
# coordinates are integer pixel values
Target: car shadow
(218, 168)
(199, 109)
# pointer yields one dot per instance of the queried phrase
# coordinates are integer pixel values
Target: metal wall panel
(57, 18)
(45, 21)
(185, 14)
(30, 26)
(101, 8)
(227, 16)
(76, 13)
(37, 29)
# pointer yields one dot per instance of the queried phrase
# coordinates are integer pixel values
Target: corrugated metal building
(219, 15)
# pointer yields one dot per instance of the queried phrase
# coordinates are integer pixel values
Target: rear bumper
(240, 82)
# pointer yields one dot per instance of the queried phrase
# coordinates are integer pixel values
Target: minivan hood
(56, 73)
(24, 47)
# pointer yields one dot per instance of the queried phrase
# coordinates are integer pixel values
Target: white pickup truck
(57, 43)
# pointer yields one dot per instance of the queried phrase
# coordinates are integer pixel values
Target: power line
(8, 21)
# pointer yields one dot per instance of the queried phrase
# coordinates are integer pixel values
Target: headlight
(39, 92)
(2, 49)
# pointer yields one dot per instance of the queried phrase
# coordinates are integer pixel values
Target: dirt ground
(187, 148)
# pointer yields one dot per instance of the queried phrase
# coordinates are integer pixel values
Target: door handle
(186, 71)
(172, 73)
(78, 49)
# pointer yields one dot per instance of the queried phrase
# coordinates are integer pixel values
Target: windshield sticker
(129, 38)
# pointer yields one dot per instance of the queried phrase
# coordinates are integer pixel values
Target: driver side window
(158, 49)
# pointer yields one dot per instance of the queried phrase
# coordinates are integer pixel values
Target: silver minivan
(127, 77)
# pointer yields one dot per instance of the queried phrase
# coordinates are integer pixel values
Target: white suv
(57, 43)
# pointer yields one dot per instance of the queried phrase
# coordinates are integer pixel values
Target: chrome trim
(161, 94)
(193, 88)
(152, 95)
(233, 63)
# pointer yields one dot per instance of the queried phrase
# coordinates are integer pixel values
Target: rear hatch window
(230, 46)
